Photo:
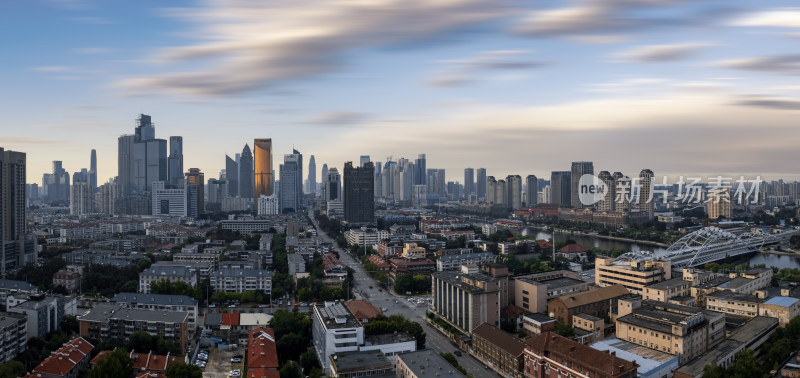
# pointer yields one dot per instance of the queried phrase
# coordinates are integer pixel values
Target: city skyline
(471, 83)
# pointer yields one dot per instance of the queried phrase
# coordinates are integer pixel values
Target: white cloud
(253, 45)
(662, 53)
(782, 18)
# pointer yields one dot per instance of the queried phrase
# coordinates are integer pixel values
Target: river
(769, 260)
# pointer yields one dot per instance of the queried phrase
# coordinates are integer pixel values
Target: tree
(141, 342)
(290, 370)
(70, 325)
(291, 346)
(564, 329)
(12, 369)
(183, 370)
(115, 364)
(309, 361)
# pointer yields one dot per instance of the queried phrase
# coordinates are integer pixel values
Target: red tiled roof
(62, 361)
(500, 339)
(261, 349)
(99, 357)
(363, 309)
(573, 248)
(544, 244)
(563, 349)
(263, 373)
(329, 260)
(230, 319)
(378, 261)
(151, 362)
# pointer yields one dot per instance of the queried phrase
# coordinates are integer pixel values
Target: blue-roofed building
(783, 308)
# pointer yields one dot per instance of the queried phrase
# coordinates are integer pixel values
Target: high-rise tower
(196, 179)
(93, 171)
(469, 182)
(246, 185)
(560, 192)
(359, 196)
(15, 251)
(312, 176)
(531, 190)
(480, 184)
(232, 176)
(579, 168)
(262, 167)
(175, 165)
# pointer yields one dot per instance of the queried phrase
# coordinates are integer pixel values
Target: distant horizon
(681, 88)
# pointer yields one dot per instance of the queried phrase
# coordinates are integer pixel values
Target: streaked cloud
(464, 71)
(256, 45)
(337, 118)
(779, 103)
(662, 53)
(778, 18)
(581, 19)
(779, 64)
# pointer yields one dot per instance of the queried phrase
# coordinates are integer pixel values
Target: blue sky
(681, 87)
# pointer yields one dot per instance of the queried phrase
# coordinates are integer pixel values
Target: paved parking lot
(219, 362)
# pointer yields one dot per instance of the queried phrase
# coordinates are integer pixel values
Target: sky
(700, 87)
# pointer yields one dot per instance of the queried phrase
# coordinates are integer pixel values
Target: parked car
(457, 353)
(236, 360)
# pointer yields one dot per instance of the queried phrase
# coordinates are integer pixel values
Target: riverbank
(606, 237)
(780, 253)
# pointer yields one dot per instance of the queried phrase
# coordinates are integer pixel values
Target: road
(369, 290)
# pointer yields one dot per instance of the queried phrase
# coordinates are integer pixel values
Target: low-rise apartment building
(240, 280)
(783, 308)
(454, 262)
(498, 349)
(674, 329)
(13, 335)
(597, 302)
(67, 362)
(551, 355)
(634, 275)
(733, 304)
(531, 292)
(115, 322)
(665, 290)
(159, 302)
(169, 273)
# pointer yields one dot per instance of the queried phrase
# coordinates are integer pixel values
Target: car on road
(457, 353)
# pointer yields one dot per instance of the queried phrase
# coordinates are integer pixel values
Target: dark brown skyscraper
(197, 179)
(262, 167)
(359, 193)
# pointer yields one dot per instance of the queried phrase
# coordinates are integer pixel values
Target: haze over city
(679, 87)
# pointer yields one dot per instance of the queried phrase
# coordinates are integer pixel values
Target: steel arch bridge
(706, 245)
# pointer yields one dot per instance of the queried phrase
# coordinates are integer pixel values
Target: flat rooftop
(557, 283)
(782, 301)
(735, 283)
(360, 361)
(668, 284)
(648, 359)
(429, 364)
(725, 294)
(336, 316)
(696, 366)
